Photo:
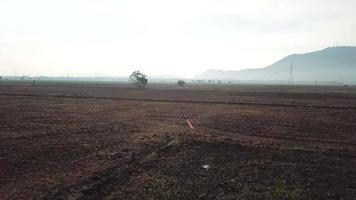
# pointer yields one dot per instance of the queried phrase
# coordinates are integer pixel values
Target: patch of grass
(297, 147)
(171, 143)
(282, 190)
(160, 189)
(149, 158)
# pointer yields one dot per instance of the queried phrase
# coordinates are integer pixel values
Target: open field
(108, 141)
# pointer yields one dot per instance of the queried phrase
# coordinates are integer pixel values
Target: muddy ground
(101, 141)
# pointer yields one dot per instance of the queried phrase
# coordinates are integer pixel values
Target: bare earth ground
(77, 141)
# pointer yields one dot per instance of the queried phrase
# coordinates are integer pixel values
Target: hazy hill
(330, 64)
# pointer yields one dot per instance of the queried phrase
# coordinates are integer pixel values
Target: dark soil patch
(209, 170)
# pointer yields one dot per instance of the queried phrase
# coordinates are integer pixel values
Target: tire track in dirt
(103, 183)
(182, 101)
(286, 138)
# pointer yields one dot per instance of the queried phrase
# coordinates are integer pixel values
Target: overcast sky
(182, 37)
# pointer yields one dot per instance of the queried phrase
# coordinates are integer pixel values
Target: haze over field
(178, 99)
(181, 38)
(336, 64)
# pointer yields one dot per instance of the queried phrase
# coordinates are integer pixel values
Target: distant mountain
(330, 64)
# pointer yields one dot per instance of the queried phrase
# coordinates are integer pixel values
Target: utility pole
(291, 78)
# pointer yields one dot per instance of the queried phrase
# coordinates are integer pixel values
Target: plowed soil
(104, 141)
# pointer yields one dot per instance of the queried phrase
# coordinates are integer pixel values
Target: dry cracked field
(106, 141)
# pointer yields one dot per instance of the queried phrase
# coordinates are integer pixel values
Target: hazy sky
(182, 37)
